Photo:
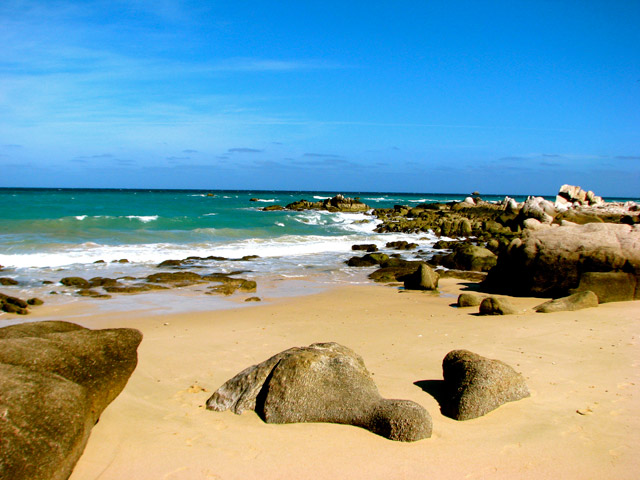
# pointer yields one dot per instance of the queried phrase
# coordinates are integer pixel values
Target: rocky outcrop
(570, 194)
(324, 382)
(577, 301)
(56, 378)
(425, 278)
(551, 262)
(339, 203)
(475, 385)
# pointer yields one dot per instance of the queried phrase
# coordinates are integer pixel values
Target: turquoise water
(46, 234)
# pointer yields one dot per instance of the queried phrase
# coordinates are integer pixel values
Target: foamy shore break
(512, 391)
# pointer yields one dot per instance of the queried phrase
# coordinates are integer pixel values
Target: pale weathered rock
(538, 208)
(496, 306)
(425, 278)
(56, 378)
(577, 301)
(476, 385)
(324, 382)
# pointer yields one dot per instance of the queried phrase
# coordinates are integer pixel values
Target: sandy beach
(580, 422)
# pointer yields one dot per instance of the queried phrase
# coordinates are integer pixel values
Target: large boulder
(324, 382)
(538, 208)
(496, 306)
(56, 378)
(551, 262)
(610, 286)
(475, 385)
(469, 299)
(577, 301)
(425, 278)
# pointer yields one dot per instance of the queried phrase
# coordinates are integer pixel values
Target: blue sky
(414, 96)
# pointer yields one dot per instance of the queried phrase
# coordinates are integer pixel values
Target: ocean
(47, 234)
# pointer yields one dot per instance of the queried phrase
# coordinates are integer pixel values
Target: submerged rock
(78, 282)
(324, 382)
(56, 378)
(476, 385)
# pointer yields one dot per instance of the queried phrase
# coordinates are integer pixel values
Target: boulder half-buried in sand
(324, 382)
(476, 385)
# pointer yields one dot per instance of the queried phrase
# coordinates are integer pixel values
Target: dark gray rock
(496, 306)
(56, 378)
(369, 260)
(75, 282)
(367, 247)
(324, 382)
(577, 301)
(475, 385)
(425, 278)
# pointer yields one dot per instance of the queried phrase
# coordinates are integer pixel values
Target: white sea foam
(318, 197)
(209, 214)
(81, 217)
(285, 246)
(270, 200)
(143, 218)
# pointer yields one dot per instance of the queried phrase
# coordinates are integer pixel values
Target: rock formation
(476, 385)
(425, 278)
(324, 382)
(551, 262)
(339, 203)
(56, 378)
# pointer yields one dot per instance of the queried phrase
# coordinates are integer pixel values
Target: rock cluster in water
(538, 247)
(339, 203)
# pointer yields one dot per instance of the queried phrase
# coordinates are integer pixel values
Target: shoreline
(584, 360)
